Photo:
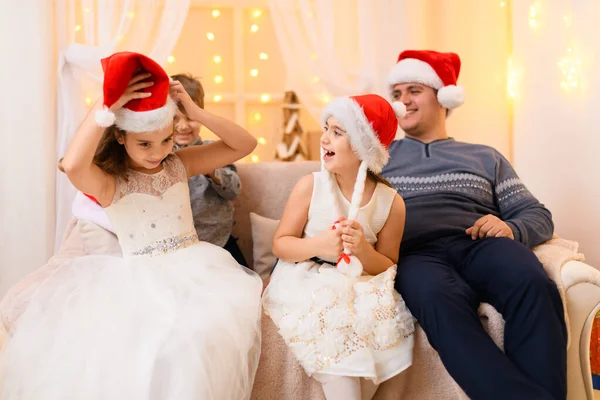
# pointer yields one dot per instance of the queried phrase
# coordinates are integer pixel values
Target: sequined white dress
(174, 318)
(336, 325)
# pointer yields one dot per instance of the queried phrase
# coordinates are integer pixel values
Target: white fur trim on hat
(146, 121)
(411, 70)
(451, 96)
(104, 117)
(363, 139)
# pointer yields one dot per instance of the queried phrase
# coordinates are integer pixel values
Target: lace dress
(336, 325)
(174, 318)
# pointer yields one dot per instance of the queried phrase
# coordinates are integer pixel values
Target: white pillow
(97, 240)
(263, 232)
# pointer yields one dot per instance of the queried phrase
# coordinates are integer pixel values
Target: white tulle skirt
(185, 325)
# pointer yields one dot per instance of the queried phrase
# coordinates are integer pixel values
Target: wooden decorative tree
(293, 146)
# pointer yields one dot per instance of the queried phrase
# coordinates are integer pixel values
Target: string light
(217, 98)
(218, 79)
(326, 99)
(263, 56)
(534, 12)
(119, 38)
(87, 10)
(570, 67)
(217, 59)
(210, 36)
(567, 20)
(315, 79)
(171, 59)
(216, 13)
(257, 116)
(265, 98)
(313, 56)
(262, 140)
(254, 28)
(131, 14)
(77, 28)
(512, 80)
(255, 158)
(254, 72)
(88, 101)
(502, 3)
(257, 13)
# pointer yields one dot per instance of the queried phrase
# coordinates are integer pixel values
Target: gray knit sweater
(448, 185)
(211, 202)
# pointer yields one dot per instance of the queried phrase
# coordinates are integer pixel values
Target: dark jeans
(232, 247)
(443, 283)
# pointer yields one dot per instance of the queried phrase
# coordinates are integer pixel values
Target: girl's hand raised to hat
(134, 91)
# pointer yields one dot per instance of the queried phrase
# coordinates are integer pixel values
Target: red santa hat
(437, 70)
(139, 115)
(370, 122)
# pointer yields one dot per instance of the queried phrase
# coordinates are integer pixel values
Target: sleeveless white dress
(336, 325)
(174, 318)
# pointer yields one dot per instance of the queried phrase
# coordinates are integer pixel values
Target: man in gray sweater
(470, 226)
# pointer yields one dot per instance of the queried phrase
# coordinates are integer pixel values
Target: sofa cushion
(263, 231)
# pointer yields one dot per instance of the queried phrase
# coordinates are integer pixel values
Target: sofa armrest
(574, 272)
(582, 289)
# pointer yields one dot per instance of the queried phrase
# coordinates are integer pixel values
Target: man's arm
(529, 220)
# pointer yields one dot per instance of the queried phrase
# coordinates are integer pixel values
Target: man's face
(423, 111)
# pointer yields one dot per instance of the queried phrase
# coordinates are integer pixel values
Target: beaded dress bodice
(151, 213)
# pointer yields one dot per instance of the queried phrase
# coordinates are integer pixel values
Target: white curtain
(334, 47)
(344, 47)
(556, 142)
(27, 115)
(101, 28)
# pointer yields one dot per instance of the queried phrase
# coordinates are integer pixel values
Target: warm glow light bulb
(218, 79)
(254, 72)
(217, 59)
(217, 98)
(262, 140)
(263, 56)
(265, 97)
(216, 13)
(171, 59)
(210, 36)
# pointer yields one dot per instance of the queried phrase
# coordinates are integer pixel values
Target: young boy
(211, 195)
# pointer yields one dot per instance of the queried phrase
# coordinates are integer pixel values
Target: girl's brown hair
(110, 155)
(378, 178)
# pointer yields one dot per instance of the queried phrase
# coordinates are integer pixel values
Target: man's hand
(490, 226)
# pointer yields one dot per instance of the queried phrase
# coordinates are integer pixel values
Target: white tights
(349, 388)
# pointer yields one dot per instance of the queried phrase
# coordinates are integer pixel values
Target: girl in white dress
(174, 318)
(340, 315)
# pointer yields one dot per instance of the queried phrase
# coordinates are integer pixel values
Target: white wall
(556, 133)
(28, 161)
